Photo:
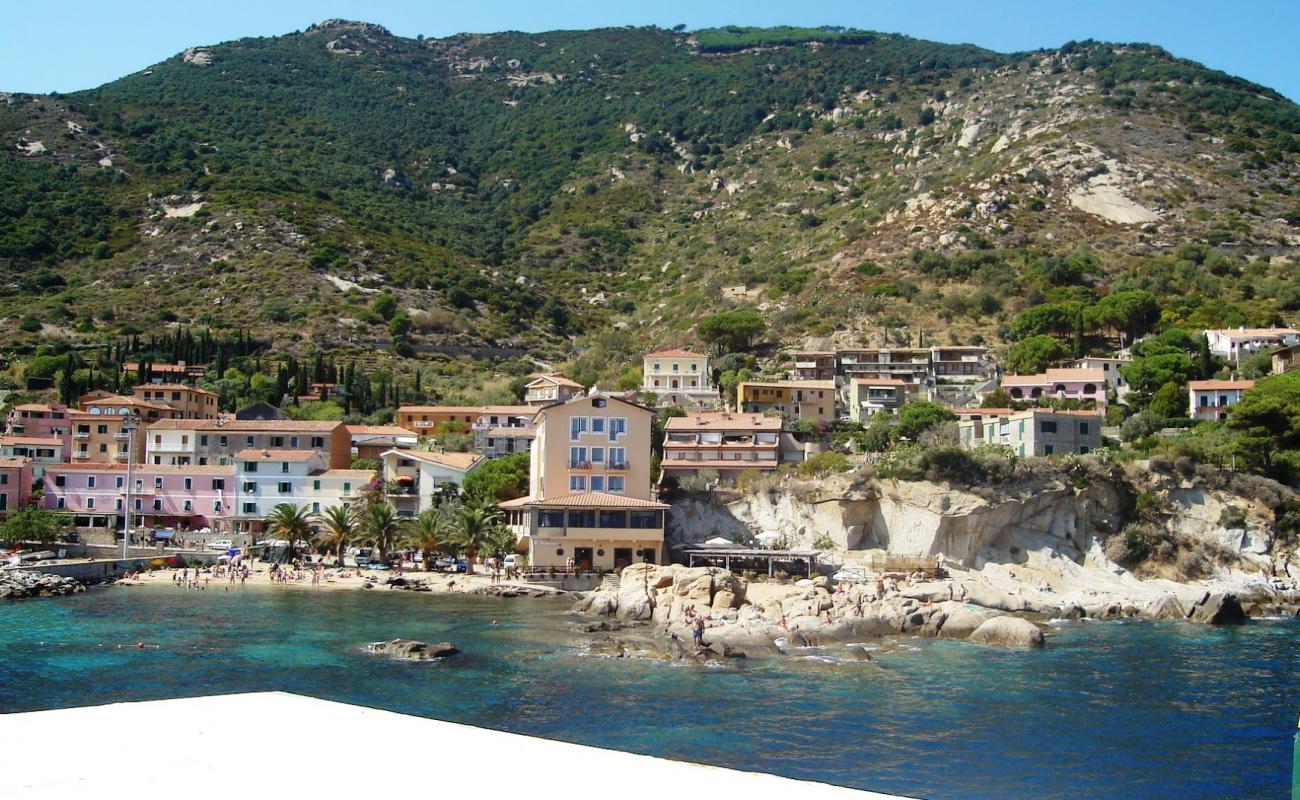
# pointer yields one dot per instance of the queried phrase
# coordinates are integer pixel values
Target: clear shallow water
(1114, 710)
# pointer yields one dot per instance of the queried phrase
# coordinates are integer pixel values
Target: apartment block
(1233, 343)
(547, 388)
(42, 452)
(184, 498)
(811, 401)
(266, 478)
(15, 483)
(372, 441)
(679, 378)
(189, 402)
(589, 501)
(814, 365)
(205, 442)
(412, 478)
(1059, 384)
(1034, 432)
(866, 397)
(40, 420)
(725, 442)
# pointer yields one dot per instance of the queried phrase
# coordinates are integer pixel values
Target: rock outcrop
(1007, 631)
(411, 650)
(17, 583)
(661, 593)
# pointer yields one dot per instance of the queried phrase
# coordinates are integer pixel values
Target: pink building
(185, 497)
(15, 483)
(42, 421)
(1059, 384)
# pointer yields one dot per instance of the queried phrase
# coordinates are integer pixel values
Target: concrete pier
(282, 745)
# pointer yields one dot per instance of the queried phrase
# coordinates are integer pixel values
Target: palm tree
(432, 531)
(380, 526)
(477, 530)
(291, 523)
(338, 527)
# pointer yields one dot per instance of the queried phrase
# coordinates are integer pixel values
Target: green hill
(534, 192)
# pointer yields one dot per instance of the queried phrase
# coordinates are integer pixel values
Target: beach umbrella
(718, 541)
(768, 538)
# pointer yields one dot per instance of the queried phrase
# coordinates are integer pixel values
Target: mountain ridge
(533, 191)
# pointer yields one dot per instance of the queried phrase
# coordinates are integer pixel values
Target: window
(1047, 426)
(347, 487)
(577, 427)
(315, 508)
(1083, 428)
(103, 448)
(618, 456)
(248, 441)
(250, 487)
(577, 483)
(216, 506)
(284, 466)
(90, 480)
(598, 483)
(613, 519)
(250, 508)
(59, 502)
(317, 442)
(597, 424)
(645, 520)
(285, 487)
(203, 441)
(250, 466)
(117, 504)
(90, 504)
(60, 480)
(118, 482)
(277, 441)
(582, 518)
(218, 484)
(598, 455)
(157, 482)
(1048, 449)
(550, 519)
(293, 442)
(189, 484)
(315, 486)
(101, 429)
(139, 504)
(615, 484)
(185, 439)
(221, 441)
(577, 456)
(617, 427)
(189, 505)
(157, 439)
(203, 461)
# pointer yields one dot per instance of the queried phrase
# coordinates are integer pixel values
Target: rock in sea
(411, 650)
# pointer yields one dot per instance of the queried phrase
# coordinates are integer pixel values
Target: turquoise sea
(1106, 710)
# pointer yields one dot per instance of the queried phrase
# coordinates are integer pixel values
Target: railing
(579, 465)
(620, 466)
(121, 436)
(81, 435)
(80, 454)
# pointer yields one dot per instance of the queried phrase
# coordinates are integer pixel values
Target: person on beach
(697, 632)
(880, 587)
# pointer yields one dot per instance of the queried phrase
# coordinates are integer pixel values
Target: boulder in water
(411, 650)
(1218, 609)
(1009, 632)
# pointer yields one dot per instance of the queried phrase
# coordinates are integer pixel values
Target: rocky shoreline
(650, 614)
(15, 584)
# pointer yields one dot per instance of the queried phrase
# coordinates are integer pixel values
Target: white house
(265, 479)
(679, 378)
(1209, 400)
(1233, 343)
(411, 477)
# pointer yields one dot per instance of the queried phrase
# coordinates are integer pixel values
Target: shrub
(823, 464)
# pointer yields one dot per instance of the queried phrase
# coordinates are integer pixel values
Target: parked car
(512, 561)
(451, 564)
(219, 544)
(364, 556)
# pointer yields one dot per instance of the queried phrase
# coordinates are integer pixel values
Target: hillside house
(1209, 400)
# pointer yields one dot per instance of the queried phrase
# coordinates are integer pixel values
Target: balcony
(81, 435)
(580, 465)
(121, 436)
(617, 467)
(119, 455)
(80, 455)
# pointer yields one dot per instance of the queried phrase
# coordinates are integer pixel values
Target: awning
(163, 534)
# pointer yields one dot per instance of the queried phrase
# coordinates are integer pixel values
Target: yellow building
(812, 401)
(589, 501)
(678, 378)
(190, 402)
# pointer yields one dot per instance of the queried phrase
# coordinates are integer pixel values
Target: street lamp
(130, 424)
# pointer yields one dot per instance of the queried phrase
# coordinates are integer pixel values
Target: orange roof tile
(1205, 386)
(584, 500)
(722, 420)
(673, 354)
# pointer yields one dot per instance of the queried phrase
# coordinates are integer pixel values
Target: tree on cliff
(919, 416)
(1033, 355)
(732, 330)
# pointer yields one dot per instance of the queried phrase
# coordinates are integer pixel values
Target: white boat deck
(283, 745)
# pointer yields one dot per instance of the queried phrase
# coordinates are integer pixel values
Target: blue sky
(78, 44)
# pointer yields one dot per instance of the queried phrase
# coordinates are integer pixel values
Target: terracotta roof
(438, 410)
(457, 461)
(584, 500)
(1056, 375)
(379, 430)
(124, 400)
(35, 441)
(674, 354)
(554, 377)
(37, 407)
(518, 411)
(147, 469)
(881, 381)
(1254, 333)
(232, 424)
(793, 384)
(344, 473)
(172, 387)
(1212, 385)
(527, 433)
(982, 412)
(722, 421)
(14, 461)
(275, 455)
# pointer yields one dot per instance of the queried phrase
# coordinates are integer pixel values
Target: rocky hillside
(527, 191)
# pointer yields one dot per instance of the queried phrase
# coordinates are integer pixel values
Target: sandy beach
(350, 578)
